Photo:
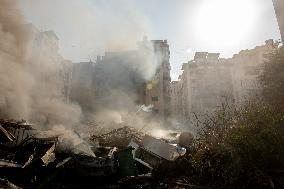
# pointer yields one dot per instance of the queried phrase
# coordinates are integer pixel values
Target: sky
(88, 28)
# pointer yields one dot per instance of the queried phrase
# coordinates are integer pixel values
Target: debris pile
(119, 138)
(121, 158)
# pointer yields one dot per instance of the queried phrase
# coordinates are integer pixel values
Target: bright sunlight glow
(222, 23)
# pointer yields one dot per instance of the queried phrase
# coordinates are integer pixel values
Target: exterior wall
(176, 100)
(81, 86)
(209, 81)
(157, 90)
(209, 84)
(126, 72)
(279, 9)
(247, 66)
(66, 75)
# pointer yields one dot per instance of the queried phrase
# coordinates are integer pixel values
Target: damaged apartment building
(208, 81)
(119, 80)
(157, 89)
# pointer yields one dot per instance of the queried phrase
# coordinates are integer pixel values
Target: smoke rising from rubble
(12, 57)
(100, 26)
(119, 81)
(28, 89)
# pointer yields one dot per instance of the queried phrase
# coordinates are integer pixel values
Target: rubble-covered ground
(127, 158)
(121, 158)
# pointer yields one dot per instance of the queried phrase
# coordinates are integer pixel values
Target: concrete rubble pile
(118, 137)
(122, 158)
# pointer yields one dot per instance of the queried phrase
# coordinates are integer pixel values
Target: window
(155, 98)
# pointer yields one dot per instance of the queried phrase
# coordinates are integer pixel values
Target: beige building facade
(209, 82)
(247, 66)
(279, 10)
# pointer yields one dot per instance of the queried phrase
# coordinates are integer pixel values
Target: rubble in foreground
(122, 158)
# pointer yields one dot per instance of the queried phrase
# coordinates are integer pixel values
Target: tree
(272, 80)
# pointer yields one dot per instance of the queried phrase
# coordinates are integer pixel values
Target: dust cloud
(32, 82)
(29, 89)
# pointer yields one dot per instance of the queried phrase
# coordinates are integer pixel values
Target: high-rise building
(125, 79)
(279, 10)
(157, 89)
(209, 82)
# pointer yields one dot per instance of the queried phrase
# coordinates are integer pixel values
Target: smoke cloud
(32, 79)
(30, 88)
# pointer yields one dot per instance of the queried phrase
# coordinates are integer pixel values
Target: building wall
(141, 76)
(157, 90)
(118, 80)
(208, 85)
(81, 86)
(247, 66)
(176, 100)
(279, 9)
(208, 82)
